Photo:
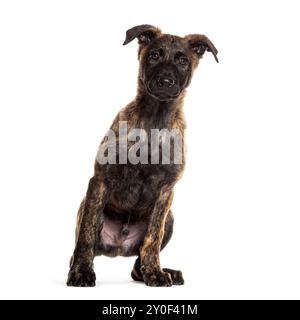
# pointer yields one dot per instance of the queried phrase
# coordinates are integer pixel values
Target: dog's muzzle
(164, 86)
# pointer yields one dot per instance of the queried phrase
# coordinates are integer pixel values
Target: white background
(64, 75)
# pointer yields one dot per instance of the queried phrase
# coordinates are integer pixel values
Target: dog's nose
(165, 82)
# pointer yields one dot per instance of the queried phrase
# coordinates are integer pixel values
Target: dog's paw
(157, 279)
(83, 277)
(176, 276)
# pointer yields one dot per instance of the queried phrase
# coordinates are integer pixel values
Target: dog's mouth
(163, 96)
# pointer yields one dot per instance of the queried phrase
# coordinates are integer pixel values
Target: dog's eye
(183, 61)
(154, 55)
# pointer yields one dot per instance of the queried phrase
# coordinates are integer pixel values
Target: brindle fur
(140, 195)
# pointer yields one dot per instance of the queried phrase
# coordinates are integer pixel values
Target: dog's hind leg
(176, 275)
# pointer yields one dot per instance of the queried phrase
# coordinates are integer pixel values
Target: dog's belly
(119, 238)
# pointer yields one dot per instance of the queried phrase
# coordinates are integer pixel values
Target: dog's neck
(157, 114)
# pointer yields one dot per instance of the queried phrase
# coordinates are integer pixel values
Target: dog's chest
(137, 186)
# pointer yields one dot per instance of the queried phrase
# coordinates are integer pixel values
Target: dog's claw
(81, 278)
(176, 276)
(158, 279)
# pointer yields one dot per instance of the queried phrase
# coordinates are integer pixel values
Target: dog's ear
(200, 43)
(145, 34)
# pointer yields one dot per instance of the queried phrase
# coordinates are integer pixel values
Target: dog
(126, 210)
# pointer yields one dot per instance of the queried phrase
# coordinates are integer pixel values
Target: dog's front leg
(81, 272)
(152, 273)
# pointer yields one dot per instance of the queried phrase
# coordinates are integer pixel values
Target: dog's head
(167, 62)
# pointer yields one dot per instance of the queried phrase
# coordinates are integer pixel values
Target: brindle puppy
(126, 210)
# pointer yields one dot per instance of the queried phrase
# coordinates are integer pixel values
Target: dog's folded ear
(199, 44)
(145, 34)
